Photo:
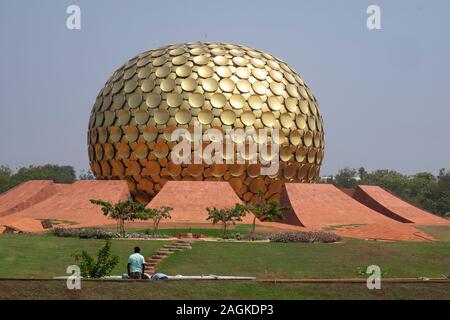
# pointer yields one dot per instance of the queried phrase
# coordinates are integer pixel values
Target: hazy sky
(384, 94)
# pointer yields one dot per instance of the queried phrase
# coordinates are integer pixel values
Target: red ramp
(70, 206)
(189, 200)
(25, 195)
(325, 207)
(389, 205)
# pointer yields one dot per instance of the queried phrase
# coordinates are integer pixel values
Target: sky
(384, 94)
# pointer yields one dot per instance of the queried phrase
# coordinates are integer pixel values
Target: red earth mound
(189, 200)
(70, 206)
(314, 207)
(25, 195)
(325, 207)
(389, 205)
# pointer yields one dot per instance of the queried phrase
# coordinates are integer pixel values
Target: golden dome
(218, 85)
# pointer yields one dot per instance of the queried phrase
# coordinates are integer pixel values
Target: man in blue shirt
(136, 264)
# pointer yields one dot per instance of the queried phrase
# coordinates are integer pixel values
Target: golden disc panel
(248, 118)
(196, 100)
(153, 100)
(228, 117)
(188, 84)
(174, 100)
(221, 86)
(218, 100)
(183, 116)
(161, 116)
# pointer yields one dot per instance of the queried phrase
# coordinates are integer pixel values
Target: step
(185, 247)
(174, 248)
(183, 242)
(159, 256)
(177, 249)
(169, 246)
(164, 253)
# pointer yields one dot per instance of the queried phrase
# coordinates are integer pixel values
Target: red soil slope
(325, 207)
(70, 205)
(389, 205)
(25, 195)
(189, 199)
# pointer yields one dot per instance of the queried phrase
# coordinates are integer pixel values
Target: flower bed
(308, 236)
(83, 233)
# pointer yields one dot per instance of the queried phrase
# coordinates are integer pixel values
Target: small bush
(309, 236)
(104, 265)
(362, 271)
(235, 236)
(256, 236)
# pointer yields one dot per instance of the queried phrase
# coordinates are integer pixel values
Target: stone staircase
(154, 260)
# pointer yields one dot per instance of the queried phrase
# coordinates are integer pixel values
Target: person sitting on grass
(136, 264)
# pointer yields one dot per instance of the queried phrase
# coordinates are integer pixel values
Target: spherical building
(216, 85)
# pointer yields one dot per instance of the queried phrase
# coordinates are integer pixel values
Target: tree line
(423, 189)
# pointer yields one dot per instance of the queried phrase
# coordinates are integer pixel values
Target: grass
(318, 260)
(26, 256)
(341, 226)
(439, 232)
(213, 233)
(42, 256)
(56, 222)
(217, 290)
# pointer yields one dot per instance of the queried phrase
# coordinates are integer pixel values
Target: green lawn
(218, 290)
(214, 233)
(319, 260)
(47, 256)
(439, 232)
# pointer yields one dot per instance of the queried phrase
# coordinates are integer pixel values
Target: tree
(421, 190)
(96, 269)
(158, 214)
(86, 175)
(391, 180)
(5, 178)
(226, 215)
(122, 211)
(345, 178)
(442, 193)
(59, 174)
(265, 211)
(362, 173)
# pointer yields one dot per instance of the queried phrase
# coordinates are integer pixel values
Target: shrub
(84, 233)
(146, 236)
(104, 265)
(256, 236)
(309, 236)
(235, 236)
